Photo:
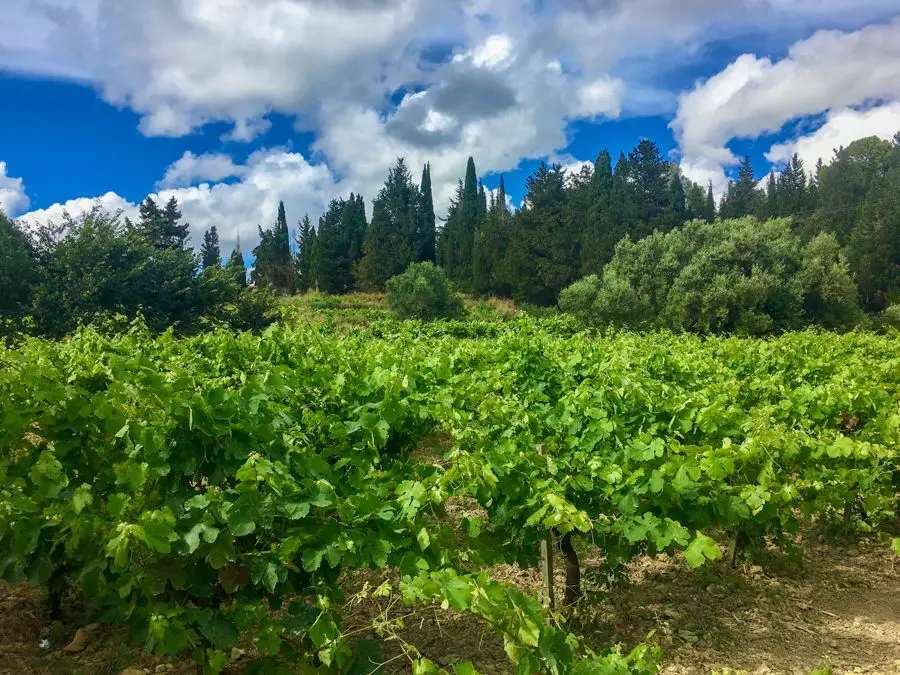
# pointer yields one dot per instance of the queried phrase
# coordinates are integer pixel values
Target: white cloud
(601, 97)
(519, 73)
(55, 213)
(841, 128)
(754, 96)
(493, 51)
(234, 208)
(12, 193)
(191, 168)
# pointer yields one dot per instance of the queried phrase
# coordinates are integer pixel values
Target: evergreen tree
(709, 213)
(425, 240)
(395, 215)
(332, 264)
(489, 275)
(741, 198)
(676, 212)
(236, 264)
(538, 251)
(303, 261)
(162, 227)
(647, 182)
(459, 230)
(273, 256)
(210, 256)
(772, 207)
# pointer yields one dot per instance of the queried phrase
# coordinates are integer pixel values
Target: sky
(233, 105)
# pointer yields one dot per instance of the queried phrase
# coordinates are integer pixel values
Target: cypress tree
(303, 261)
(236, 264)
(741, 198)
(426, 237)
(210, 255)
(709, 213)
(395, 215)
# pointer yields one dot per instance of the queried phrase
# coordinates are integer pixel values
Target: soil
(837, 608)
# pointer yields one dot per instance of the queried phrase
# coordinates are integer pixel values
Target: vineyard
(220, 490)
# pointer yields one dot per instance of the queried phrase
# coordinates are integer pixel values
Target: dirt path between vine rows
(840, 608)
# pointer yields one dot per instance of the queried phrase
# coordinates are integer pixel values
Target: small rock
(164, 668)
(81, 640)
(44, 644)
(756, 570)
(236, 653)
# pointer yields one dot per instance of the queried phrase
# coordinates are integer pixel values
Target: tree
(538, 251)
(273, 256)
(303, 261)
(741, 197)
(648, 182)
(709, 213)
(18, 274)
(162, 228)
(210, 256)
(332, 266)
(424, 246)
(491, 242)
(734, 276)
(676, 211)
(99, 266)
(395, 217)
(458, 234)
(236, 265)
(422, 292)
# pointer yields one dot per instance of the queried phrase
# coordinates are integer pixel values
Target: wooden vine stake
(547, 562)
(733, 547)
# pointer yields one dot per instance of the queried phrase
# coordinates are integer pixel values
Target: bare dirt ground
(838, 609)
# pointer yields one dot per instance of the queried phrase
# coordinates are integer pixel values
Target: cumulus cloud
(498, 80)
(234, 208)
(12, 193)
(191, 168)
(754, 96)
(841, 128)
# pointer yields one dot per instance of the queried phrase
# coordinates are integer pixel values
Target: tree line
(100, 267)
(570, 226)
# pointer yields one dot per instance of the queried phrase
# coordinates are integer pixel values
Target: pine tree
(597, 241)
(458, 233)
(273, 256)
(303, 261)
(162, 227)
(395, 214)
(709, 213)
(210, 256)
(741, 198)
(491, 242)
(538, 251)
(332, 266)
(772, 209)
(676, 212)
(647, 182)
(236, 264)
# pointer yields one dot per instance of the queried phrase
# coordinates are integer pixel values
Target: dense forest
(800, 246)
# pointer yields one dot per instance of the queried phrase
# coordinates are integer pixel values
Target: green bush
(891, 317)
(734, 276)
(422, 292)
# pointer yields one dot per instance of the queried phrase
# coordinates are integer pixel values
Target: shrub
(891, 317)
(422, 292)
(735, 276)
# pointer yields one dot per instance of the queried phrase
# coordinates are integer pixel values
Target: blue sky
(233, 105)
